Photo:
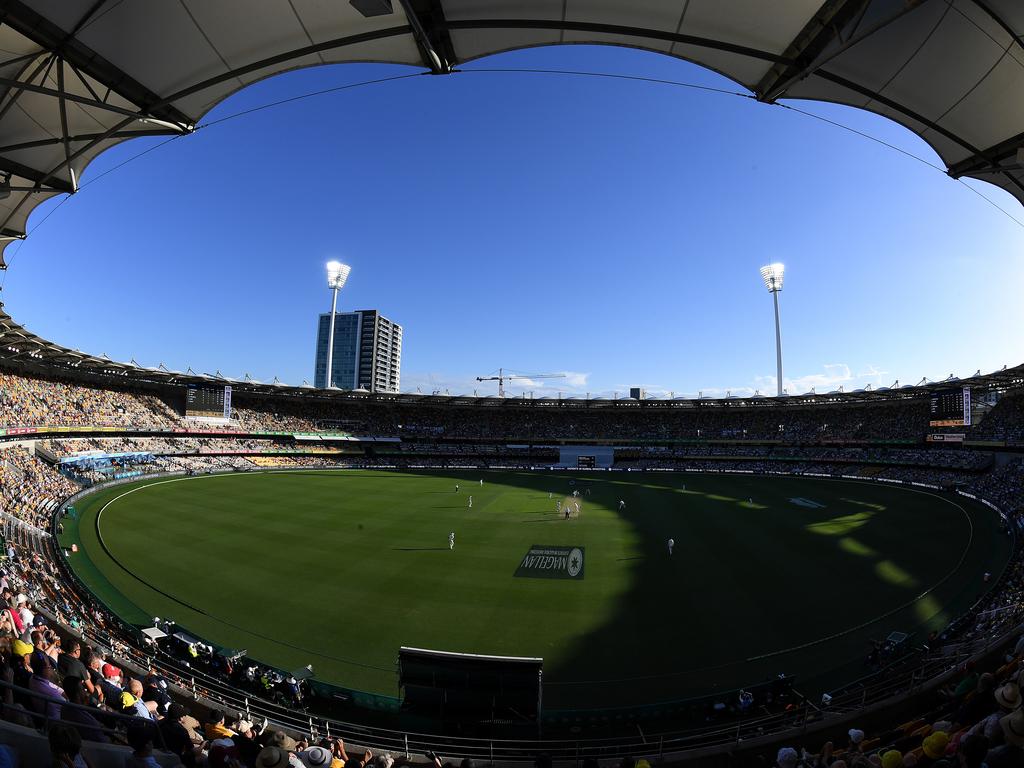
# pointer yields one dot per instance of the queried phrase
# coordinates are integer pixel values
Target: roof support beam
(84, 100)
(37, 177)
(62, 107)
(823, 28)
(615, 29)
(26, 21)
(16, 90)
(77, 138)
(988, 158)
(437, 61)
(826, 26)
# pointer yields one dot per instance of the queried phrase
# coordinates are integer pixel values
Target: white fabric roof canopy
(77, 76)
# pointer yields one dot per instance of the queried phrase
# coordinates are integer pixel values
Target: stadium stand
(946, 71)
(878, 441)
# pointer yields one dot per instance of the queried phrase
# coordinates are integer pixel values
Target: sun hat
(282, 740)
(1013, 727)
(1008, 697)
(316, 757)
(787, 757)
(275, 757)
(856, 735)
(272, 757)
(934, 746)
(21, 648)
(892, 759)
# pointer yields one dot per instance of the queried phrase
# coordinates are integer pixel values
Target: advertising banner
(543, 561)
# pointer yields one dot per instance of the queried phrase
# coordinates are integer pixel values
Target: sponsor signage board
(545, 561)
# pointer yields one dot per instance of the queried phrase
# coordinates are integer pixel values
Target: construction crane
(502, 377)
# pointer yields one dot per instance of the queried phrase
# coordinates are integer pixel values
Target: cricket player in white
(622, 505)
(451, 540)
(470, 502)
(456, 487)
(558, 505)
(481, 481)
(671, 543)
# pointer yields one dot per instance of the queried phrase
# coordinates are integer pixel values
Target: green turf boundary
(86, 531)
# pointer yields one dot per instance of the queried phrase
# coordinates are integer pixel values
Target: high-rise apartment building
(367, 352)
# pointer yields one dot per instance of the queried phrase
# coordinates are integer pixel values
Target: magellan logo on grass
(546, 562)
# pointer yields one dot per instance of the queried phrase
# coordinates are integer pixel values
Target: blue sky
(609, 229)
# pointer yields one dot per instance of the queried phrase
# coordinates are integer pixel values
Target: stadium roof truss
(77, 76)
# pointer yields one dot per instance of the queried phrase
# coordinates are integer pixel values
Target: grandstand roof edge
(24, 350)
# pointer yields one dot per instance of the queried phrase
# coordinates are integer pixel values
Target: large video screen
(208, 401)
(951, 408)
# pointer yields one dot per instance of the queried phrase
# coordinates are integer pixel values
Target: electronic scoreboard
(950, 408)
(210, 402)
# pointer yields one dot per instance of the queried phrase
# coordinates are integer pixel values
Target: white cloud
(831, 377)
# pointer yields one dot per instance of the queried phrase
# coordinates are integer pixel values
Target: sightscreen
(453, 686)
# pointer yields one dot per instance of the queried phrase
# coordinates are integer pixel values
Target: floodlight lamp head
(337, 274)
(772, 275)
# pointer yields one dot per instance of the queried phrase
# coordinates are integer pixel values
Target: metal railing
(106, 722)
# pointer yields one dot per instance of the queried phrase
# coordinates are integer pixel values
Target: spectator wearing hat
(277, 757)
(155, 690)
(856, 738)
(933, 748)
(24, 612)
(892, 758)
(316, 757)
(1011, 753)
(786, 757)
(111, 684)
(132, 703)
(1007, 699)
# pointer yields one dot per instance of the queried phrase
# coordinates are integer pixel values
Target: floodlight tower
(337, 274)
(772, 276)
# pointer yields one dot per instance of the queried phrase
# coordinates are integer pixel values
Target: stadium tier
(213, 572)
(69, 435)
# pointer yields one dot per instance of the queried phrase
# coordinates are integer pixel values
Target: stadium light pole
(337, 274)
(772, 275)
